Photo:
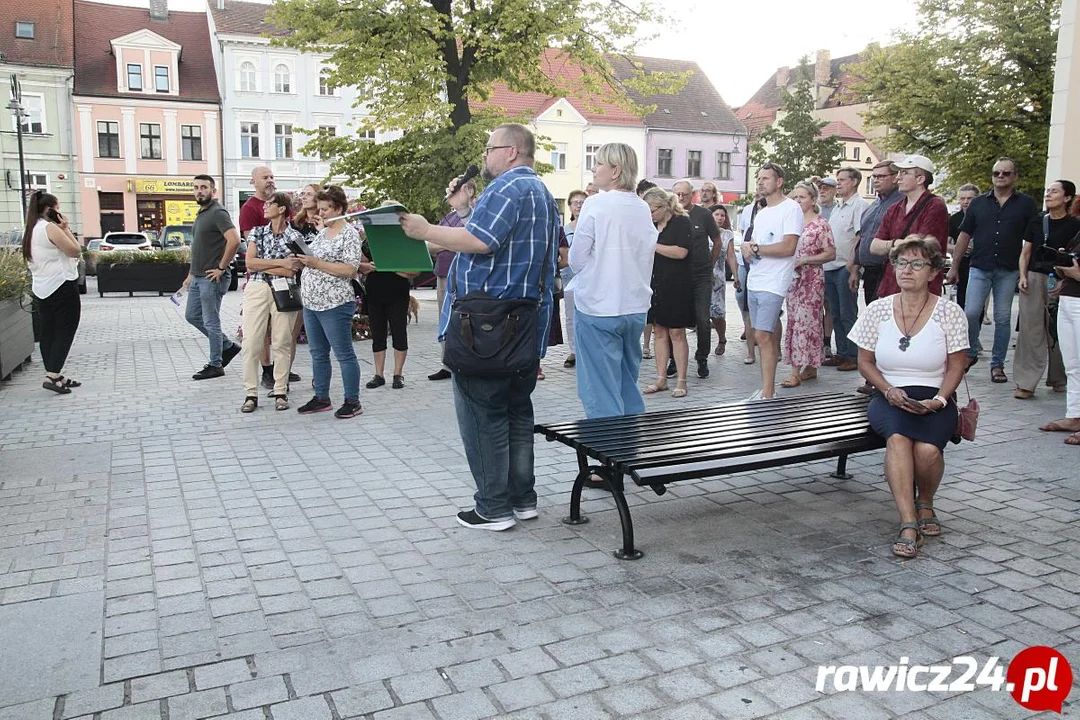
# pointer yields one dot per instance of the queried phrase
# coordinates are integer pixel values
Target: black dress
(672, 280)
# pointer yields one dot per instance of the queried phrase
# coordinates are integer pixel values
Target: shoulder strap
(945, 328)
(915, 212)
(1046, 228)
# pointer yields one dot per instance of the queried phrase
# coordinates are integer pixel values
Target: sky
(739, 45)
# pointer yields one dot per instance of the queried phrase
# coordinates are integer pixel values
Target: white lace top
(923, 362)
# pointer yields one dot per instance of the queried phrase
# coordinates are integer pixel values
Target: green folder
(391, 250)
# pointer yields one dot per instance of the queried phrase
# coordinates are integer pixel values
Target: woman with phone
(912, 350)
(1068, 329)
(52, 254)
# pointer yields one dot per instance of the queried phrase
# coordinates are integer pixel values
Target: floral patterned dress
(804, 338)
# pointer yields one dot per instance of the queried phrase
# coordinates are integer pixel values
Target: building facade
(147, 115)
(1063, 157)
(269, 95)
(44, 71)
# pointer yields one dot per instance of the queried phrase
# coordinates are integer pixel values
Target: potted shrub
(132, 271)
(16, 324)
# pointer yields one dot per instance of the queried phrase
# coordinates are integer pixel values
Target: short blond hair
(622, 156)
(658, 197)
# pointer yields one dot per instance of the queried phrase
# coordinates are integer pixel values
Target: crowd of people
(638, 267)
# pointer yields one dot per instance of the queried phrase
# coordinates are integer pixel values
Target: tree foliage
(973, 83)
(425, 68)
(794, 142)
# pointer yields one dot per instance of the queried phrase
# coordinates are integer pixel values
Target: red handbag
(967, 418)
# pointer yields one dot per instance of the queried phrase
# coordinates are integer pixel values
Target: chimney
(782, 75)
(823, 68)
(159, 10)
(220, 4)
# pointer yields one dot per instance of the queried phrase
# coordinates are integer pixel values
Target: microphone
(470, 172)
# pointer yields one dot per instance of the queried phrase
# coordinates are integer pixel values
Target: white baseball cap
(917, 161)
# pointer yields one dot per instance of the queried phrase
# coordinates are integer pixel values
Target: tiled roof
(768, 95)
(243, 18)
(756, 118)
(95, 65)
(698, 107)
(840, 129)
(567, 74)
(53, 41)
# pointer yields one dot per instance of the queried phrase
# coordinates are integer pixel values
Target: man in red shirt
(251, 212)
(922, 213)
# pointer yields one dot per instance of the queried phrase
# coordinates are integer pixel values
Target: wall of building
(1063, 157)
(596, 135)
(709, 145)
(561, 125)
(49, 155)
(152, 182)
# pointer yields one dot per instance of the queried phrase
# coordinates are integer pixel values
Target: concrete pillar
(1063, 156)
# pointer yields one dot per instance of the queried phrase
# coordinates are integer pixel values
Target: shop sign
(165, 186)
(180, 212)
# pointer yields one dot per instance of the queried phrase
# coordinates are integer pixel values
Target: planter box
(162, 278)
(16, 336)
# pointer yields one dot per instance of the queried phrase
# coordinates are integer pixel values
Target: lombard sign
(165, 186)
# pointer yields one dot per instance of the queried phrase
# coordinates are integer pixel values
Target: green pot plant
(16, 322)
(132, 271)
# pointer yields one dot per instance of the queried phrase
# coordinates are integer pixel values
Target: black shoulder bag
(495, 337)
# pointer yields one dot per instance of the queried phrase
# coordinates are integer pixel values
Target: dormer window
(24, 30)
(161, 78)
(134, 77)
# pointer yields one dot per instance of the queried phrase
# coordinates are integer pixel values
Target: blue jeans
(203, 311)
(980, 284)
(495, 419)
(608, 360)
(328, 329)
(844, 308)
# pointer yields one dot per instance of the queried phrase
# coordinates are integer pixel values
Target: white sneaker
(526, 513)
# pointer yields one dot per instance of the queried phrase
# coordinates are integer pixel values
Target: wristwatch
(754, 247)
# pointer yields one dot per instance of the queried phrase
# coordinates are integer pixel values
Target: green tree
(426, 66)
(973, 83)
(794, 142)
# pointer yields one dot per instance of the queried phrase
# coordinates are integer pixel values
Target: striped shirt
(517, 218)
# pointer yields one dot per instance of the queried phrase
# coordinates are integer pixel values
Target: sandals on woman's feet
(646, 354)
(68, 382)
(904, 547)
(808, 374)
(792, 382)
(1073, 439)
(56, 385)
(997, 375)
(679, 392)
(250, 403)
(928, 526)
(656, 387)
(281, 402)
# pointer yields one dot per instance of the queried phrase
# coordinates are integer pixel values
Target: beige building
(1063, 157)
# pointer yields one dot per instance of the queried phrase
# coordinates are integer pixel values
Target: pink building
(147, 115)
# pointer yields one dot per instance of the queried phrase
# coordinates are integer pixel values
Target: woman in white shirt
(912, 350)
(612, 261)
(52, 253)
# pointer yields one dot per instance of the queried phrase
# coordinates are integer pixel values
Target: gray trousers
(1034, 346)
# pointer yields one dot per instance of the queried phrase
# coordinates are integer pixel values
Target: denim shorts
(764, 309)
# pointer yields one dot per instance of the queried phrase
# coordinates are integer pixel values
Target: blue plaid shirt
(517, 218)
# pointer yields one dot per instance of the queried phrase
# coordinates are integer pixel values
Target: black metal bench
(658, 448)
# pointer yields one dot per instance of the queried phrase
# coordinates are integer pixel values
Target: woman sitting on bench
(912, 350)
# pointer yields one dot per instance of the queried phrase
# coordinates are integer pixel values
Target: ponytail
(40, 201)
(658, 197)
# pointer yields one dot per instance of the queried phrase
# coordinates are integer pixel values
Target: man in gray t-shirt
(213, 246)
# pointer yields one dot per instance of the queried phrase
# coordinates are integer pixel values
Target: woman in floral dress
(804, 341)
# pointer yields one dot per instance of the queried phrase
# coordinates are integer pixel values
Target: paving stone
(155, 687)
(88, 702)
(198, 705)
(309, 708)
(469, 705)
(362, 699)
(223, 673)
(142, 711)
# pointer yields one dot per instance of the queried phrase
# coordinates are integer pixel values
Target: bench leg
(627, 551)
(841, 469)
(576, 518)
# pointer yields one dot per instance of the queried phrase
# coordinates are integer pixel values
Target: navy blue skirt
(935, 428)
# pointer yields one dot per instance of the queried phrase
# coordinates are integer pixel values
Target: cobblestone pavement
(163, 556)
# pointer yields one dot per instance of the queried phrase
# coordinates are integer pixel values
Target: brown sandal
(792, 382)
(655, 388)
(907, 548)
(250, 403)
(1073, 439)
(928, 526)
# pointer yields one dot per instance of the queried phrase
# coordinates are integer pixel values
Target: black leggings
(393, 313)
(60, 313)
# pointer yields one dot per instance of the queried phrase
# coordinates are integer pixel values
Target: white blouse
(923, 362)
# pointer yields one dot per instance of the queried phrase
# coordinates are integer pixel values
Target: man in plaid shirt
(501, 250)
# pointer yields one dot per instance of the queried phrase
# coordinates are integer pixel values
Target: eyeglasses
(578, 203)
(489, 148)
(881, 176)
(913, 264)
(1002, 173)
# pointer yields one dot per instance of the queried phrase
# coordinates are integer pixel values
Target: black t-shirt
(1061, 231)
(703, 228)
(669, 272)
(1070, 287)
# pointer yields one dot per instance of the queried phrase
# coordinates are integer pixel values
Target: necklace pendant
(905, 343)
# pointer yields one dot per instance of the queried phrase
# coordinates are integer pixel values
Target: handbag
(967, 417)
(494, 337)
(286, 294)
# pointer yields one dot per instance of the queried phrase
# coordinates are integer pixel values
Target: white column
(131, 150)
(1063, 158)
(170, 147)
(86, 137)
(210, 137)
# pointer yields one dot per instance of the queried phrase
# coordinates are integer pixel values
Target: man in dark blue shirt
(996, 223)
(884, 177)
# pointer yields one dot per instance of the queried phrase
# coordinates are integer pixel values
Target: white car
(126, 241)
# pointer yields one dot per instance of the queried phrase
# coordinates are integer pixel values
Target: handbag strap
(967, 388)
(915, 212)
(1046, 228)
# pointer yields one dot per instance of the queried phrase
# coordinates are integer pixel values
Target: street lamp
(16, 107)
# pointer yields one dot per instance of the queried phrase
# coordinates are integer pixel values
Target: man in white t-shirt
(770, 256)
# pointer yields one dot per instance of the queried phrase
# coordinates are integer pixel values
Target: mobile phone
(53, 215)
(914, 404)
